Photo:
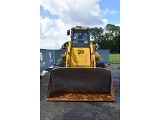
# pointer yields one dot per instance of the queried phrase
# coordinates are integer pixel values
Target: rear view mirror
(68, 32)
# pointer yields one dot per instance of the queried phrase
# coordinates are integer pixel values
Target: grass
(114, 58)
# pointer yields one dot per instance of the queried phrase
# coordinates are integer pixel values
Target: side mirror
(68, 32)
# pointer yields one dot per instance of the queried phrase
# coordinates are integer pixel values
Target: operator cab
(79, 37)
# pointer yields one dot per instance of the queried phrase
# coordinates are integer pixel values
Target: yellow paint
(80, 57)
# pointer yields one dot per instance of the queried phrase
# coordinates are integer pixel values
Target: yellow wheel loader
(80, 75)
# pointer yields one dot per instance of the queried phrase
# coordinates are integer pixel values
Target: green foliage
(108, 37)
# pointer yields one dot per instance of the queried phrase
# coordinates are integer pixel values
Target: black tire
(100, 64)
(60, 63)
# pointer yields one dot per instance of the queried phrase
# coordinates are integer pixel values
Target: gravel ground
(82, 110)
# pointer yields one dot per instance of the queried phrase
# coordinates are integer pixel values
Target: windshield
(80, 38)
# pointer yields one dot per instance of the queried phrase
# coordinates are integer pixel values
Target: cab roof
(80, 27)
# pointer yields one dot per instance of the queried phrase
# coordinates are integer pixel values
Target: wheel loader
(80, 74)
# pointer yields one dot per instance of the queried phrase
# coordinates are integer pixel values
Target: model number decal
(80, 51)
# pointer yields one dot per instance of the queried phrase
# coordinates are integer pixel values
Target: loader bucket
(80, 84)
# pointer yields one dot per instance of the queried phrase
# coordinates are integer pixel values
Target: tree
(108, 38)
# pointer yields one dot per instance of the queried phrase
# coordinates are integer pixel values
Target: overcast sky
(56, 16)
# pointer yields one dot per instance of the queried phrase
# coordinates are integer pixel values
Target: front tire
(100, 64)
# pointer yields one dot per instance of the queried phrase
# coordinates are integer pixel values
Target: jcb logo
(80, 51)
